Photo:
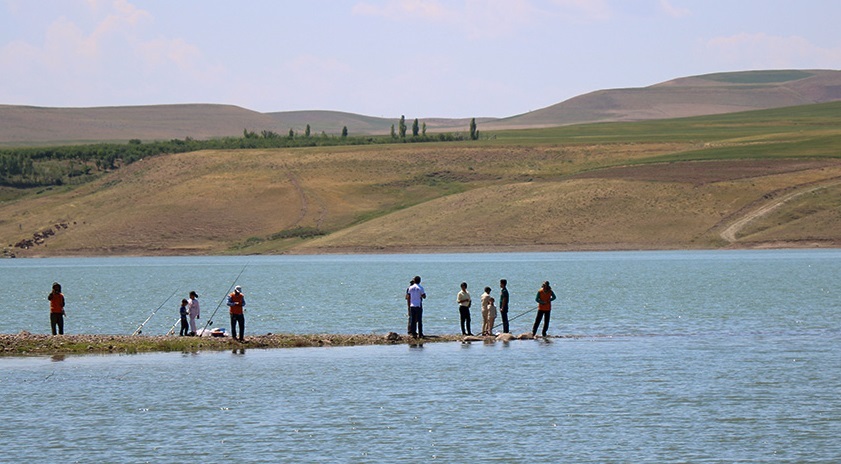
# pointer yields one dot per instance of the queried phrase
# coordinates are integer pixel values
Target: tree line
(419, 132)
(27, 167)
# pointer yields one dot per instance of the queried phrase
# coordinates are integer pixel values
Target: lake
(703, 356)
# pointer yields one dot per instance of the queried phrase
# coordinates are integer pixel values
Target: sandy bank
(24, 343)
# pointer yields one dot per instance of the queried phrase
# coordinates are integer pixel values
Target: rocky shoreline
(27, 344)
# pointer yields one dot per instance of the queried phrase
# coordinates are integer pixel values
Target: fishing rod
(140, 327)
(515, 317)
(172, 329)
(210, 321)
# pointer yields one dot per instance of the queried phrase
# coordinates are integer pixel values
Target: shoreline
(28, 344)
(410, 250)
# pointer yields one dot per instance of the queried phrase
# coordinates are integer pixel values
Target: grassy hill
(29, 125)
(690, 96)
(754, 179)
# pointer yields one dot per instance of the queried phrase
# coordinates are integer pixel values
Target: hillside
(28, 125)
(757, 179)
(689, 96)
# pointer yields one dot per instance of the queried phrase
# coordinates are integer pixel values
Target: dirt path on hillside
(304, 209)
(729, 234)
(305, 204)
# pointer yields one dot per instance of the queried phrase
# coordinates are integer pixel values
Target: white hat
(237, 289)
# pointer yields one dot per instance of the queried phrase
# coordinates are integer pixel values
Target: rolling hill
(689, 96)
(766, 178)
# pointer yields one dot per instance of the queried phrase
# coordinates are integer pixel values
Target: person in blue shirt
(185, 328)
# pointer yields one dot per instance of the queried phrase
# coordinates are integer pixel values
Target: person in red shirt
(236, 303)
(545, 297)
(56, 309)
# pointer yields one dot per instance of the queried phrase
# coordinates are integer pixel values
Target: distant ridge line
(707, 94)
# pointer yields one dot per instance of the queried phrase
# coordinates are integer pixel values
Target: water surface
(674, 357)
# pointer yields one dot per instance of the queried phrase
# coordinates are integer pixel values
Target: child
(57, 309)
(491, 317)
(185, 329)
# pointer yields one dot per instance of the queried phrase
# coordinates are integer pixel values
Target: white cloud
(160, 53)
(763, 51)
(14, 6)
(116, 57)
(674, 11)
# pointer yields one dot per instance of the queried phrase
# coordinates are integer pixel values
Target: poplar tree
(474, 133)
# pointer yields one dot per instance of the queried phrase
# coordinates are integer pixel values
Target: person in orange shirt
(545, 297)
(56, 309)
(236, 303)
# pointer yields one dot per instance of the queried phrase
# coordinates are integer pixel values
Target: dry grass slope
(26, 125)
(690, 96)
(604, 211)
(759, 179)
(427, 198)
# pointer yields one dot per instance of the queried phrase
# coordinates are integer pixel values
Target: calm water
(676, 357)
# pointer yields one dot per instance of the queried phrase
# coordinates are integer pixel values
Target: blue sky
(419, 58)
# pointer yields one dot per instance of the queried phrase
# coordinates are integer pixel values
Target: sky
(386, 58)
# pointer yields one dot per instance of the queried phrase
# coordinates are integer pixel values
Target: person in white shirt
(486, 300)
(415, 295)
(194, 311)
(491, 316)
(463, 299)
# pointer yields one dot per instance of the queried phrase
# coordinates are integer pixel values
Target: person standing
(57, 309)
(236, 303)
(415, 296)
(409, 309)
(486, 300)
(545, 297)
(194, 310)
(463, 299)
(491, 316)
(182, 311)
(503, 304)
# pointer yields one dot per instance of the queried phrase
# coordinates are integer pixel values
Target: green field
(775, 125)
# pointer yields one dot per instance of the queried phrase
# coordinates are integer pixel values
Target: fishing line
(210, 321)
(140, 327)
(515, 317)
